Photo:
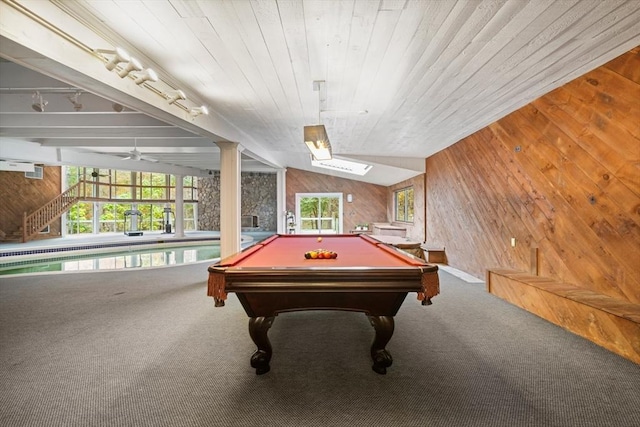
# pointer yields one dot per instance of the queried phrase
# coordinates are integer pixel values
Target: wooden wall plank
(595, 209)
(627, 65)
(20, 194)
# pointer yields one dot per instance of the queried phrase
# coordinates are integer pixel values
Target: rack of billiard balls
(320, 254)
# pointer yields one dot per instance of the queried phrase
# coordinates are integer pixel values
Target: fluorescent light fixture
(146, 75)
(340, 165)
(119, 55)
(316, 139)
(174, 96)
(132, 65)
(195, 112)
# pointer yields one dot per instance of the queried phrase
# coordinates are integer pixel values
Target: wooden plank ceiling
(404, 79)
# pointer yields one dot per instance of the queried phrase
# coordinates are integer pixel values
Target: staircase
(33, 223)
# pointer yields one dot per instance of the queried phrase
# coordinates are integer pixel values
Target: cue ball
(319, 239)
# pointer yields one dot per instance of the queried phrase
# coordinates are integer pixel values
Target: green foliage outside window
(404, 204)
(80, 218)
(319, 213)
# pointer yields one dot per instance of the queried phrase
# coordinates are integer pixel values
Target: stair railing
(33, 223)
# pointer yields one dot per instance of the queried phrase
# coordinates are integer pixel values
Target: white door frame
(299, 196)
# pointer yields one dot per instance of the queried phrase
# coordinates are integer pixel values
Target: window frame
(404, 195)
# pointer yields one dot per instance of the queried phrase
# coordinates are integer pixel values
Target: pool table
(367, 276)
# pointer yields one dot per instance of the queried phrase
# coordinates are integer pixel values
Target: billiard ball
(319, 239)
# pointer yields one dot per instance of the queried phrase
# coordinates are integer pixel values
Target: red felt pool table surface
(353, 251)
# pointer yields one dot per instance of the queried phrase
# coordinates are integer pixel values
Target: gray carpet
(148, 348)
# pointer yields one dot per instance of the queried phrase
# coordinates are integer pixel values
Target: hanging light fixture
(315, 137)
(317, 141)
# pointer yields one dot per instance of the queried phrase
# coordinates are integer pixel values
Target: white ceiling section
(404, 79)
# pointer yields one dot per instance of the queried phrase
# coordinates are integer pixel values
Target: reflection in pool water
(138, 258)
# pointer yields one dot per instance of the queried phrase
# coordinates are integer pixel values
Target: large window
(111, 218)
(112, 192)
(404, 204)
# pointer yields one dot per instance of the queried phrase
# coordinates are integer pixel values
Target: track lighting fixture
(146, 75)
(132, 65)
(74, 100)
(195, 112)
(119, 55)
(39, 104)
(174, 96)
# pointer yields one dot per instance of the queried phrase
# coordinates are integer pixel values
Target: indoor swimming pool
(117, 258)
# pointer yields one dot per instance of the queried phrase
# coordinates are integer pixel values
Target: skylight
(342, 166)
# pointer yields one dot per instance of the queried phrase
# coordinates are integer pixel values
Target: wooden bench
(389, 229)
(411, 248)
(607, 321)
(435, 255)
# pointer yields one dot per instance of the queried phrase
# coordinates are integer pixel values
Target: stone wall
(209, 203)
(258, 197)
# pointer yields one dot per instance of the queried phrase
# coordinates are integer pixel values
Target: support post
(281, 184)
(229, 198)
(179, 231)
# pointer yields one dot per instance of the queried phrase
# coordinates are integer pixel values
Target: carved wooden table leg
(384, 330)
(258, 328)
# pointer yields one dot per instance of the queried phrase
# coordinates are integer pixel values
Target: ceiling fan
(137, 155)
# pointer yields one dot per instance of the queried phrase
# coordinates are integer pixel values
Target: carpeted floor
(148, 348)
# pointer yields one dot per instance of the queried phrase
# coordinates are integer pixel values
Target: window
(189, 215)
(404, 204)
(36, 174)
(319, 213)
(113, 192)
(80, 218)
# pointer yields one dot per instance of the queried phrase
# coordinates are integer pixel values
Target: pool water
(126, 259)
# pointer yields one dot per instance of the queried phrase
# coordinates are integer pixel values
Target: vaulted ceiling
(402, 79)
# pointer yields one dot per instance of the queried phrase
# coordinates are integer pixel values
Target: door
(319, 213)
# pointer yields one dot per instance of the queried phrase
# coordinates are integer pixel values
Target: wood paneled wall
(20, 194)
(369, 200)
(561, 175)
